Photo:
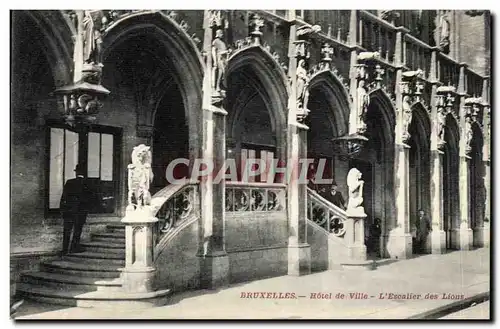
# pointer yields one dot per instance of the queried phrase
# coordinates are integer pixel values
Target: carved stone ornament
(307, 31)
(140, 175)
(256, 23)
(355, 202)
(366, 56)
(326, 53)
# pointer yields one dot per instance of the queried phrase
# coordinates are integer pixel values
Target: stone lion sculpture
(355, 185)
(140, 176)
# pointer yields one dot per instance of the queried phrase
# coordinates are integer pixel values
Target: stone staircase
(87, 279)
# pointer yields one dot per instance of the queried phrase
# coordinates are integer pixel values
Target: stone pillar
(399, 245)
(463, 239)
(442, 104)
(485, 230)
(138, 274)
(299, 251)
(214, 261)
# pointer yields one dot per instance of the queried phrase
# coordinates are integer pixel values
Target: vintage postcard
(250, 164)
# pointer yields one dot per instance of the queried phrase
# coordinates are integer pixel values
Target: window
(98, 151)
(253, 151)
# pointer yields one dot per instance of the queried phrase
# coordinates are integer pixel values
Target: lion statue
(140, 175)
(355, 185)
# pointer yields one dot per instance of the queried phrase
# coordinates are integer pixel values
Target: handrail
(162, 196)
(172, 205)
(325, 214)
(243, 196)
(255, 184)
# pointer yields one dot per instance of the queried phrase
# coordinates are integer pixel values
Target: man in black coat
(335, 197)
(74, 208)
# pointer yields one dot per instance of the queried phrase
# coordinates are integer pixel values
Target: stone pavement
(458, 273)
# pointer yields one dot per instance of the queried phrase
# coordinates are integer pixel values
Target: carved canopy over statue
(355, 185)
(140, 176)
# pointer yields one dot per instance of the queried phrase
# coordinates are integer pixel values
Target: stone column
(463, 239)
(214, 261)
(442, 104)
(399, 245)
(485, 230)
(299, 251)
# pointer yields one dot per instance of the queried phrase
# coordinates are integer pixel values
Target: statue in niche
(444, 36)
(407, 115)
(355, 186)
(468, 134)
(91, 39)
(363, 100)
(441, 120)
(302, 85)
(219, 61)
(140, 175)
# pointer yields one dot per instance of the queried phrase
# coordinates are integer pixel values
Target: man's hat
(79, 168)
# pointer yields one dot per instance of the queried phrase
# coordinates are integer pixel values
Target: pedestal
(299, 259)
(138, 273)
(399, 245)
(481, 236)
(436, 242)
(355, 240)
(464, 237)
(214, 270)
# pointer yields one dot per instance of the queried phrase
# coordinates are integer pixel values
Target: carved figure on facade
(468, 134)
(91, 38)
(219, 61)
(444, 33)
(407, 116)
(355, 186)
(302, 85)
(363, 103)
(140, 175)
(440, 126)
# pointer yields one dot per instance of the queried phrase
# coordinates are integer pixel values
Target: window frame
(116, 132)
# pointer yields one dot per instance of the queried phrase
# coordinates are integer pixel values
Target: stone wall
(257, 264)
(474, 41)
(178, 267)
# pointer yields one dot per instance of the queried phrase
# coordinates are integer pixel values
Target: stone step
(111, 238)
(101, 299)
(115, 228)
(111, 235)
(68, 282)
(99, 255)
(103, 247)
(81, 268)
(98, 259)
